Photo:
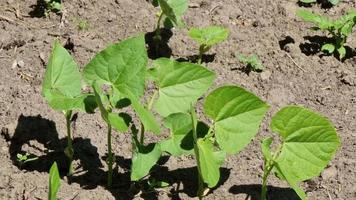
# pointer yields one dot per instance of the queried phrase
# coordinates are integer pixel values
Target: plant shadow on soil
(39, 137)
(314, 44)
(158, 48)
(253, 192)
(325, 4)
(206, 58)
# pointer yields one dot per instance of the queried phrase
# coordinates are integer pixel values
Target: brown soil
(294, 74)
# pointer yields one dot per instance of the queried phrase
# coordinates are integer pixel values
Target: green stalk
(158, 27)
(149, 107)
(110, 158)
(196, 152)
(69, 151)
(267, 170)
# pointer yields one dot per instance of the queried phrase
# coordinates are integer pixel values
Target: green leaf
(117, 122)
(334, 2)
(321, 21)
(347, 28)
(122, 65)
(144, 158)
(62, 81)
(181, 140)
(209, 36)
(174, 10)
(342, 52)
(54, 182)
(180, 84)
(237, 116)
(209, 162)
(265, 145)
(329, 48)
(309, 142)
(147, 118)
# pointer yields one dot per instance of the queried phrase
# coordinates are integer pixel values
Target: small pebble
(21, 64)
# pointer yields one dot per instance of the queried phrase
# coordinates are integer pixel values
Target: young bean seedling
(54, 182)
(207, 37)
(171, 14)
(61, 88)
(121, 68)
(253, 62)
(52, 5)
(309, 141)
(339, 29)
(236, 115)
(25, 158)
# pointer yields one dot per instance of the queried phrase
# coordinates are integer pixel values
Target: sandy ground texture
(295, 73)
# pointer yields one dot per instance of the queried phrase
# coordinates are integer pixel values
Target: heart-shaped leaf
(62, 83)
(173, 10)
(309, 142)
(54, 182)
(209, 36)
(180, 84)
(237, 116)
(122, 66)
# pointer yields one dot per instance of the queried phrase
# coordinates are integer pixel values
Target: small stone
(42, 57)
(265, 75)
(14, 64)
(329, 173)
(20, 63)
(194, 5)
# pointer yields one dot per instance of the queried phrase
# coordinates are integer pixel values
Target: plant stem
(110, 158)
(69, 149)
(149, 107)
(158, 26)
(200, 57)
(142, 136)
(267, 171)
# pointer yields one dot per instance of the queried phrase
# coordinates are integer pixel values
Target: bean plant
(61, 88)
(207, 37)
(170, 14)
(52, 5)
(25, 158)
(308, 143)
(54, 182)
(118, 73)
(252, 62)
(338, 29)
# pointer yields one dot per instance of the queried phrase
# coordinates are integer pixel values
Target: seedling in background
(253, 62)
(61, 88)
(332, 2)
(339, 29)
(236, 115)
(121, 68)
(83, 25)
(54, 182)
(207, 37)
(25, 158)
(309, 141)
(52, 5)
(171, 14)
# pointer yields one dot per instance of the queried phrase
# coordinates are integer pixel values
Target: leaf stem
(69, 149)
(157, 36)
(110, 158)
(267, 170)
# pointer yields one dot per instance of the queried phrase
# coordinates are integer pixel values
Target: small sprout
(253, 62)
(153, 183)
(25, 158)
(52, 5)
(208, 37)
(338, 29)
(54, 182)
(83, 25)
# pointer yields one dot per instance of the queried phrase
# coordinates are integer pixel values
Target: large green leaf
(209, 36)
(237, 116)
(54, 182)
(122, 65)
(181, 140)
(309, 142)
(209, 162)
(144, 158)
(62, 82)
(320, 21)
(180, 84)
